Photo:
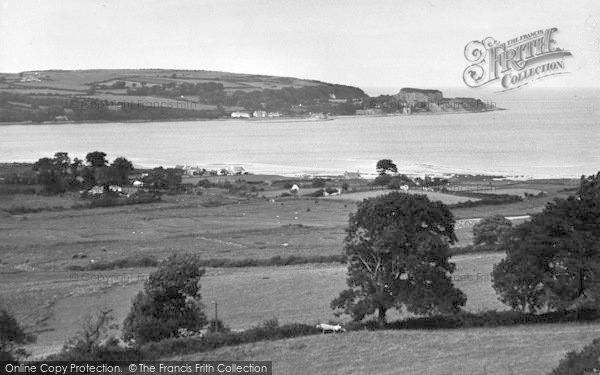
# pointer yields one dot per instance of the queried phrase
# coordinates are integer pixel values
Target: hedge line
(271, 330)
(484, 319)
(180, 346)
(484, 199)
(150, 261)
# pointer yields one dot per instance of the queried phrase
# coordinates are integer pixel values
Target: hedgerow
(150, 261)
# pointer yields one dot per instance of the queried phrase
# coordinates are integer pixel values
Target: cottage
(240, 115)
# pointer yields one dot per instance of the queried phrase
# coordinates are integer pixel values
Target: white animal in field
(324, 327)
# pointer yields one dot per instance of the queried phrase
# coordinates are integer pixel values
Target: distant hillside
(157, 94)
(63, 95)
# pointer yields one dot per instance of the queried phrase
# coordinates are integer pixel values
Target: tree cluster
(553, 261)
(60, 173)
(164, 179)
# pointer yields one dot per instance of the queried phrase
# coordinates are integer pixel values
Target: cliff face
(434, 101)
(412, 96)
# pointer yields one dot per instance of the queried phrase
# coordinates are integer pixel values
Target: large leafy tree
(398, 249)
(171, 300)
(120, 169)
(385, 165)
(49, 176)
(553, 261)
(96, 159)
(57, 174)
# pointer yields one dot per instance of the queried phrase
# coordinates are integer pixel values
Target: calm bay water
(556, 134)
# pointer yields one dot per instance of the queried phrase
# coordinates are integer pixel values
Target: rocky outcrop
(412, 96)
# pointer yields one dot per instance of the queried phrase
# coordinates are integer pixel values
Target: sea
(542, 133)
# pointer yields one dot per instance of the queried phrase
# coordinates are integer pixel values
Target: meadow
(522, 350)
(432, 195)
(37, 248)
(54, 303)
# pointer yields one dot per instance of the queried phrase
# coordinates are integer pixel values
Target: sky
(363, 43)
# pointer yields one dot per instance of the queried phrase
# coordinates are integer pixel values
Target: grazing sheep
(330, 328)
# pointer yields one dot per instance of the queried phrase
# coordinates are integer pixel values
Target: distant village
(215, 170)
(408, 101)
(161, 96)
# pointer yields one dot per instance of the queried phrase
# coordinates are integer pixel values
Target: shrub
(12, 338)
(269, 330)
(171, 300)
(108, 352)
(316, 193)
(128, 262)
(204, 183)
(319, 182)
(584, 362)
(398, 181)
(110, 199)
(489, 230)
(382, 180)
(91, 344)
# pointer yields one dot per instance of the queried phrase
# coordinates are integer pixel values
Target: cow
(324, 327)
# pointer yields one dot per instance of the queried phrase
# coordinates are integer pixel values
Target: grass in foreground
(521, 350)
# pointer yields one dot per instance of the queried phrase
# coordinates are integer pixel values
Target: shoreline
(473, 177)
(281, 119)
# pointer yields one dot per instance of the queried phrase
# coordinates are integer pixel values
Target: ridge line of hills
(162, 94)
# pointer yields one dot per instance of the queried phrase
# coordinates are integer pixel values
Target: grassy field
(523, 350)
(15, 202)
(432, 195)
(514, 191)
(53, 303)
(36, 248)
(80, 80)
